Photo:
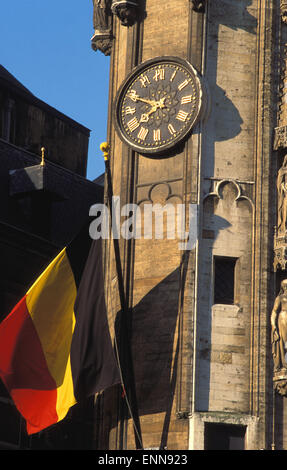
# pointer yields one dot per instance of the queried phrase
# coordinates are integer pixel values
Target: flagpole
(133, 410)
(106, 152)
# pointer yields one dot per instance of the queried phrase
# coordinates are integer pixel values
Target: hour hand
(145, 116)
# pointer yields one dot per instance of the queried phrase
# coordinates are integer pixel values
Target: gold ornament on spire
(43, 156)
(105, 148)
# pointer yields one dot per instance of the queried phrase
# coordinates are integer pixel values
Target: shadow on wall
(224, 121)
(235, 15)
(154, 327)
(154, 358)
(229, 124)
(155, 351)
(155, 347)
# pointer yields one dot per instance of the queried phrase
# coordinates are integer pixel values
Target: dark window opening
(224, 436)
(12, 128)
(224, 280)
(8, 121)
(1, 123)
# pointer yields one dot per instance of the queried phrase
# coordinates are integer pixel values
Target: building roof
(11, 81)
(7, 80)
(68, 214)
(100, 180)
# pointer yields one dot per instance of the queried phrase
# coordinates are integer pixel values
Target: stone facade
(194, 361)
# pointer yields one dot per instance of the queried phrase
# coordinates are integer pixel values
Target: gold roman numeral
(183, 84)
(130, 110)
(173, 75)
(133, 95)
(159, 74)
(144, 81)
(156, 135)
(133, 124)
(171, 129)
(181, 116)
(143, 132)
(186, 99)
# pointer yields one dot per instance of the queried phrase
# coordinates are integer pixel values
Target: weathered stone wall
(224, 330)
(191, 358)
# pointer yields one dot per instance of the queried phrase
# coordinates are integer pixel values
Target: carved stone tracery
(280, 236)
(243, 189)
(280, 137)
(280, 144)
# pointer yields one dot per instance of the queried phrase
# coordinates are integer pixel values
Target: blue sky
(46, 46)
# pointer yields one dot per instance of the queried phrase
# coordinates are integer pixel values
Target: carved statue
(279, 329)
(126, 11)
(101, 15)
(102, 21)
(279, 340)
(282, 197)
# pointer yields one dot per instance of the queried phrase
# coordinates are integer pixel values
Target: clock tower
(195, 96)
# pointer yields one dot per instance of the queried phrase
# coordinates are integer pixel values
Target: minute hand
(145, 100)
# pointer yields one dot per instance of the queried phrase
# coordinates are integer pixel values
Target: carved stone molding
(102, 41)
(183, 414)
(280, 382)
(280, 131)
(243, 188)
(283, 10)
(160, 193)
(280, 253)
(126, 11)
(198, 5)
(280, 137)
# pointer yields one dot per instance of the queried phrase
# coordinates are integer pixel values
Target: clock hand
(145, 100)
(136, 97)
(145, 116)
(158, 104)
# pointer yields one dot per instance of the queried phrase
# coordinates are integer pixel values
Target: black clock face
(158, 105)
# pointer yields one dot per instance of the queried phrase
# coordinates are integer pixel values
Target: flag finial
(43, 156)
(105, 148)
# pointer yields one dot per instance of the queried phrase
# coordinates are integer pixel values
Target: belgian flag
(55, 345)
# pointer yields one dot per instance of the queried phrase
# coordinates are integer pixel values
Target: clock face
(158, 105)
